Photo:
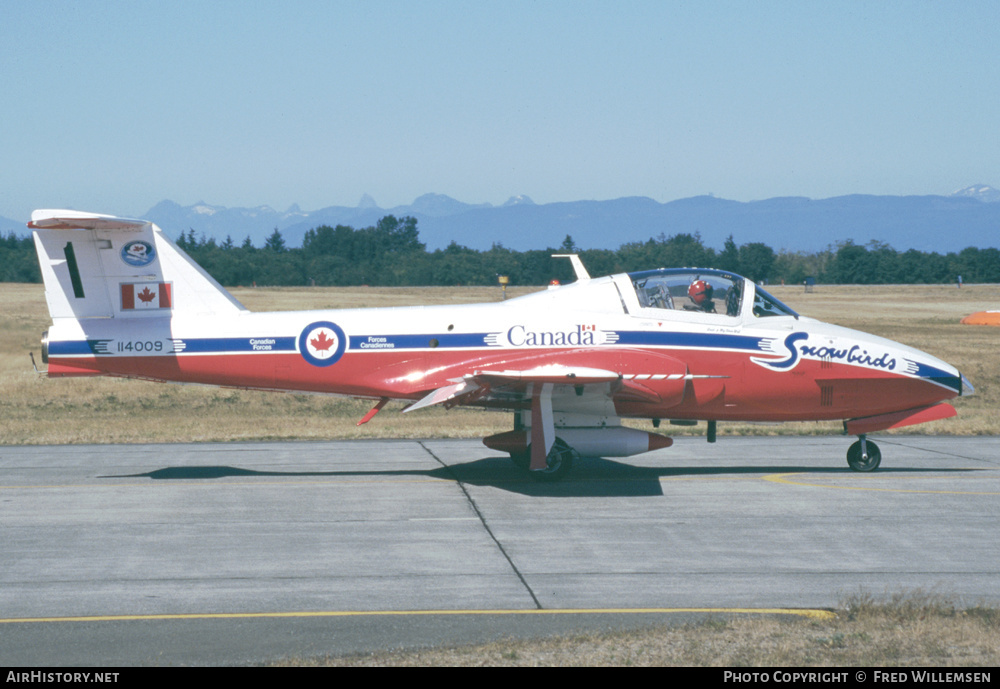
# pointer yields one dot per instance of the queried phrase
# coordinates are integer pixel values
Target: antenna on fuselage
(581, 272)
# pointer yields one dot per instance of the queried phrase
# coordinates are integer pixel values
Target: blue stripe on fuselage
(369, 343)
(208, 345)
(237, 345)
(692, 340)
(936, 375)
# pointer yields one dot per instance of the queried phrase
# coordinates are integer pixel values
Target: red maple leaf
(146, 295)
(322, 343)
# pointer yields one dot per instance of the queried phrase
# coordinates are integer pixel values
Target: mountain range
(945, 223)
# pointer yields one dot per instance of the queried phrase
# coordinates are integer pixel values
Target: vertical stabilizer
(102, 266)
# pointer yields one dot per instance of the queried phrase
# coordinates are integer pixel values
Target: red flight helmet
(700, 292)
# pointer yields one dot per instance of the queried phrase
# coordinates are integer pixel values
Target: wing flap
(550, 373)
(445, 394)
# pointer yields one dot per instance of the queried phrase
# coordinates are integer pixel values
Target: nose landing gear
(864, 455)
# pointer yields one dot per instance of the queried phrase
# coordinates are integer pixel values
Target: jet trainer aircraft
(572, 362)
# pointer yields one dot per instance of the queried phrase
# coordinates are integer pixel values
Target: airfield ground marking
(783, 478)
(813, 613)
(698, 478)
(471, 502)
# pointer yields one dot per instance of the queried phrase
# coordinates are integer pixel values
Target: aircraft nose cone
(967, 388)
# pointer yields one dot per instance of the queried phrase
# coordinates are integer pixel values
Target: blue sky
(114, 106)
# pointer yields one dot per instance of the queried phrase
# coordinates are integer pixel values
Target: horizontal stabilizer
(78, 220)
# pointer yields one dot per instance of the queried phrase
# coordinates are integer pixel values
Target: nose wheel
(864, 455)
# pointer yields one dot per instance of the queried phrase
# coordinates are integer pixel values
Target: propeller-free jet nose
(967, 388)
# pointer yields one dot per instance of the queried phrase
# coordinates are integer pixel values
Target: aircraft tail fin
(102, 266)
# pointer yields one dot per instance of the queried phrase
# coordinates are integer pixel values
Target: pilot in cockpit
(700, 293)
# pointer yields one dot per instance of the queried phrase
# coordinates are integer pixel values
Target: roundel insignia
(138, 253)
(322, 343)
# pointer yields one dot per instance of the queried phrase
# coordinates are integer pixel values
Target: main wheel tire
(559, 461)
(859, 463)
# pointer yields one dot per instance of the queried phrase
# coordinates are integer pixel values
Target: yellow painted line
(801, 612)
(708, 478)
(783, 478)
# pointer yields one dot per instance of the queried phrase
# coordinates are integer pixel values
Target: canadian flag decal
(144, 296)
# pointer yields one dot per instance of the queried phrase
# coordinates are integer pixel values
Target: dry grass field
(903, 630)
(36, 410)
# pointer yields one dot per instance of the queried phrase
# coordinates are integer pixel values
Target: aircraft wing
(512, 383)
(585, 378)
(550, 373)
(584, 385)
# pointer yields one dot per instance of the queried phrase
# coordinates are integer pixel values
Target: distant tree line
(390, 253)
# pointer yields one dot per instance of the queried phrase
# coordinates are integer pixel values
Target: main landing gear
(558, 462)
(864, 455)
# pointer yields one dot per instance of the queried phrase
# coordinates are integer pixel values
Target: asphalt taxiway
(239, 553)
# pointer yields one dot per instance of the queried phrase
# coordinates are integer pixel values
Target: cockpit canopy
(703, 291)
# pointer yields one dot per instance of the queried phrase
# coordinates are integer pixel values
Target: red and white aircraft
(570, 362)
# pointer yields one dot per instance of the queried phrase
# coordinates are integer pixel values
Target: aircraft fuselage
(760, 369)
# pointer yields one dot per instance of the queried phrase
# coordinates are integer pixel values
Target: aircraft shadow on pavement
(591, 477)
